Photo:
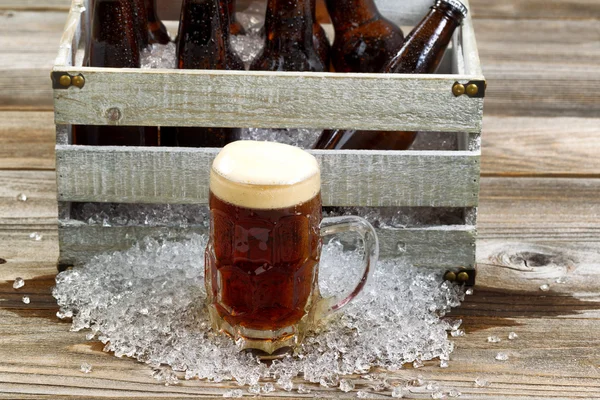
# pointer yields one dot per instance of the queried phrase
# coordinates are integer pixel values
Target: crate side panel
(350, 178)
(268, 100)
(443, 247)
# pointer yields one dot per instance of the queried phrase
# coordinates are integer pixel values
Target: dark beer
(114, 44)
(140, 16)
(364, 40)
(265, 240)
(289, 44)
(264, 270)
(261, 261)
(204, 43)
(421, 53)
(156, 29)
(234, 26)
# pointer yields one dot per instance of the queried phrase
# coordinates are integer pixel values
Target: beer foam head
(264, 175)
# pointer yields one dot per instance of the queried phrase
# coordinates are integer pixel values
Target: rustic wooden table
(539, 216)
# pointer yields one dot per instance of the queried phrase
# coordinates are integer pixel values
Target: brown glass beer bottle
(320, 40)
(113, 43)
(140, 16)
(204, 43)
(156, 29)
(421, 53)
(234, 26)
(289, 44)
(364, 40)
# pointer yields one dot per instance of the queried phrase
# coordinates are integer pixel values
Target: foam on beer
(264, 175)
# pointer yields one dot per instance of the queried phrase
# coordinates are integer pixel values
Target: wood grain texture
(35, 5)
(268, 100)
(555, 356)
(41, 206)
(28, 45)
(525, 146)
(350, 178)
(536, 9)
(540, 68)
(443, 247)
(27, 140)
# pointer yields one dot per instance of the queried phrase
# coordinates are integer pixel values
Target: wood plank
(40, 188)
(557, 208)
(554, 356)
(27, 140)
(536, 9)
(527, 146)
(350, 178)
(443, 247)
(268, 99)
(28, 44)
(35, 5)
(522, 245)
(540, 68)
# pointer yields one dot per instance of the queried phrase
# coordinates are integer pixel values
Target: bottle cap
(455, 4)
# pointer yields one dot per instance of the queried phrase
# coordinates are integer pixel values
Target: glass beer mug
(265, 243)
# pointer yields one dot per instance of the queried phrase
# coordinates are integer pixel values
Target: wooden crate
(106, 96)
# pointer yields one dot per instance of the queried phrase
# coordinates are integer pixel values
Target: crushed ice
(18, 283)
(148, 303)
(189, 215)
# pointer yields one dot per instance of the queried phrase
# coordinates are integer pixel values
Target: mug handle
(335, 225)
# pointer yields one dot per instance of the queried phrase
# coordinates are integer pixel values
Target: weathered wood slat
(27, 140)
(28, 45)
(350, 178)
(40, 188)
(35, 5)
(269, 100)
(443, 247)
(525, 146)
(559, 144)
(555, 355)
(536, 9)
(540, 68)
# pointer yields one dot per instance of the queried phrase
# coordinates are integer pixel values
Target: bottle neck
(113, 41)
(289, 23)
(204, 41)
(352, 12)
(425, 45)
(151, 9)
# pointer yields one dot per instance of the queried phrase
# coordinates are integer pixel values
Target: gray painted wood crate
(414, 178)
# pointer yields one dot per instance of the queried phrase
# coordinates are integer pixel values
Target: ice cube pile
(151, 215)
(148, 303)
(187, 215)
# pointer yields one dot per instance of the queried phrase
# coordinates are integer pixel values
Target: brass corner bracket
(64, 80)
(475, 89)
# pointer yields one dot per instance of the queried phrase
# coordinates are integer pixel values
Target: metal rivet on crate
(65, 80)
(78, 81)
(472, 90)
(113, 114)
(458, 89)
(462, 276)
(450, 276)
